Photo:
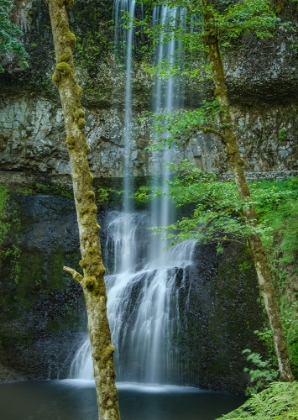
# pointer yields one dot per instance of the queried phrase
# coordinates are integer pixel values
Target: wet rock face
(32, 136)
(32, 140)
(220, 317)
(43, 318)
(269, 144)
(266, 139)
(42, 309)
(264, 71)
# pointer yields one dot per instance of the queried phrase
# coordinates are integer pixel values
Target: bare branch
(77, 276)
(205, 130)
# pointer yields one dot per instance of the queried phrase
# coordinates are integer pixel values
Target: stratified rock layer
(261, 77)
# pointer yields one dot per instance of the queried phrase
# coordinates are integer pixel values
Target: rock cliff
(261, 75)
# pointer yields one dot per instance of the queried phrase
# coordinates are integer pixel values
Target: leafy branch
(217, 211)
(179, 126)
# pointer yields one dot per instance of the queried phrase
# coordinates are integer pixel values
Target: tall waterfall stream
(144, 299)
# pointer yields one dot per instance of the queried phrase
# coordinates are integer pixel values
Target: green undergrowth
(277, 211)
(278, 402)
(277, 207)
(260, 371)
(4, 224)
(9, 229)
(40, 188)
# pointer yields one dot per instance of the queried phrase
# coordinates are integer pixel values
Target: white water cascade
(144, 307)
(167, 95)
(125, 38)
(147, 285)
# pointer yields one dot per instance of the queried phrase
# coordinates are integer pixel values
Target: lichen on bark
(92, 280)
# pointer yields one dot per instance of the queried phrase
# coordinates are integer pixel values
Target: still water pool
(75, 400)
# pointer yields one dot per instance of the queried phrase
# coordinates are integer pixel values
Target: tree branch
(77, 276)
(205, 130)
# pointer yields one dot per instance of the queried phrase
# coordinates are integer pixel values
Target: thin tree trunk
(236, 162)
(92, 281)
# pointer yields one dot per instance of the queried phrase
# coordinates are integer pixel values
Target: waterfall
(82, 366)
(144, 307)
(164, 100)
(146, 284)
(125, 37)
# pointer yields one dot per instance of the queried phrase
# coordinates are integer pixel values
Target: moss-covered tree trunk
(92, 280)
(236, 162)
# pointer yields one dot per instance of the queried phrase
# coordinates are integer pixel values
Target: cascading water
(164, 100)
(147, 285)
(144, 307)
(124, 38)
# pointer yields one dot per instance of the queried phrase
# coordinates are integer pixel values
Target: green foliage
(92, 25)
(217, 214)
(14, 253)
(9, 34)
(91, 49)
(106, 195)
(4, 224)
(143, 194)
(217, 206)
(265, 336)
(103, 195)
(180, 125)
(277, 207)
(261, 373)
(39, 188)
(282, 134)
(245, 17)
(278, 402)
(230, 20)
(290, 321)
(7, 221)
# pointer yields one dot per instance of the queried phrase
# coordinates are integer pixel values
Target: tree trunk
(236, 163)
(92, 281)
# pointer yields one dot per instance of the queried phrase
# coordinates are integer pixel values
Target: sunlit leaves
(245, 17)
(177, 127)
(277, 207)
(229, 20)
(217, 211)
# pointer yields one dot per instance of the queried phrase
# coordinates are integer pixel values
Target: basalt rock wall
(261, 77)
(32, 140)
